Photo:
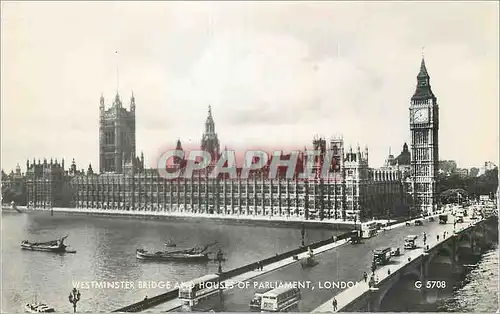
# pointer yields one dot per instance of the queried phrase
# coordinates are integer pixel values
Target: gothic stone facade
(116, 136)
(424, 127)
(357, 192)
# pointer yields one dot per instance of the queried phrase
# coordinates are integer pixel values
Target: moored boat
(194, 254)
(55, 246)
(170, 243)
(171, 256)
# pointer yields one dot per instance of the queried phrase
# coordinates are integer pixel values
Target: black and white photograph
(249, 156)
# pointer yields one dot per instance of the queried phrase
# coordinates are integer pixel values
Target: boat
(55, 246)
(170, 243)
(38, 308)
(194, 254)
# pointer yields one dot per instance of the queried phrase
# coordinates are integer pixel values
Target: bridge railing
(172, 294)
(148, 303)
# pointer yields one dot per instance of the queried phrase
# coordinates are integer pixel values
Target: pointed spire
(117, 72)
(423, 69)
(101, 102)
(423, 90)
(132, 102)
(179, 145)
(117, 102)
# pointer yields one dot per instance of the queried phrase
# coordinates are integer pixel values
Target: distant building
(488, 166)
(13, 183)
(400, 163)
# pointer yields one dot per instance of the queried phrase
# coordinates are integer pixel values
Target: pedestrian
(388, 271)
(334, 303)
(145, 298)
(261, 266)
(437, 237)
(365, 276)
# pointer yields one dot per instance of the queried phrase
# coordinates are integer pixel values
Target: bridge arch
(442, 255)
(402, 295)
(465, 240)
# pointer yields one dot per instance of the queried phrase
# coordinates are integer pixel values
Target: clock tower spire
(423, 90)
(424, 126)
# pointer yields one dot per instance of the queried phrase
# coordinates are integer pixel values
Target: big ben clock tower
(424, 126)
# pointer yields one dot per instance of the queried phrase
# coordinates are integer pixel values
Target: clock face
(421, 116)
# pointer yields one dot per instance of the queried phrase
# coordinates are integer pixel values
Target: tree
(485, 184)
(473, 172)
(453, 196)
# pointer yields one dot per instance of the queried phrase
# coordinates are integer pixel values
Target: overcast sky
(275, 74)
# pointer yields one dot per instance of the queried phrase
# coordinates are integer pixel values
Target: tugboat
(170, 243)
(187, 255)
(55, 246)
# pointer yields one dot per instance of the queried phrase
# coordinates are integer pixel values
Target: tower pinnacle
(423, 90)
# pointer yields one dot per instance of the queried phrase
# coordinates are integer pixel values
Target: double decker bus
(368, 229)
(199, 291)
(281, 299)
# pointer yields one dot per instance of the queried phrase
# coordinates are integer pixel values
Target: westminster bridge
(339, 261)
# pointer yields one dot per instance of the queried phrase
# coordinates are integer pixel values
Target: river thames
(106, 254)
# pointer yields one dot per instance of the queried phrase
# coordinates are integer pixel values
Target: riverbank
(332, 224)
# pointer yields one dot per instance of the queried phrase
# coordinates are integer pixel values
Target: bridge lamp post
(74, 297)
(220, 257)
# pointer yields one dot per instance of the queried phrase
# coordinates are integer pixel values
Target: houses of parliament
(405, 184)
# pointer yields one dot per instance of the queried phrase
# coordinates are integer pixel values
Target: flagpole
(117, 72)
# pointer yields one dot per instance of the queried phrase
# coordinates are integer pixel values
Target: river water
(478, 292)
(106, 252)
